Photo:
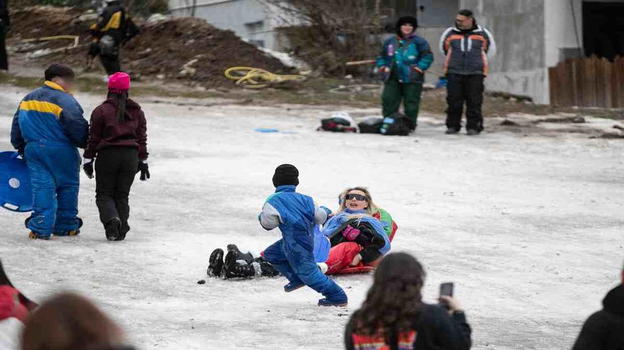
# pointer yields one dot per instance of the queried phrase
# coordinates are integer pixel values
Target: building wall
(518, 27)
(249, 19)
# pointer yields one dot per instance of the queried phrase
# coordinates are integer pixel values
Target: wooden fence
(588, 82)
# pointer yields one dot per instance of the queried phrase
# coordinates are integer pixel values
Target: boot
(215, 267)
(113, 229)
(33, 235)
(266, 269)
(235, 270)
(293, 286)
(125, 228)
(247, 257)
(327, 302)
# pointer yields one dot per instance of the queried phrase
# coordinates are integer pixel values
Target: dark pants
(395, 92)
(4, 59)
(115, 169)
(111, 64)
(468, 89)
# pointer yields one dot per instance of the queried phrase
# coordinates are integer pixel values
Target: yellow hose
(257, 78)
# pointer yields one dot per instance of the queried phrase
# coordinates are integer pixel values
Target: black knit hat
(59, 70)
(286, 174)
(406, 20)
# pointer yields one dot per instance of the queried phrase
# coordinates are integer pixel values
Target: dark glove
(94, 49)
(88, 168)
(144, 169)
(20, 151)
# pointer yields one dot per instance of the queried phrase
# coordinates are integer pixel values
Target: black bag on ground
(371, 125)
(397, 124)
(336, 125)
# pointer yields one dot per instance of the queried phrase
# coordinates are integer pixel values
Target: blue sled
(15, 188)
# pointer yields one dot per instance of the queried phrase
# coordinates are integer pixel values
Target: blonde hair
(370, 210)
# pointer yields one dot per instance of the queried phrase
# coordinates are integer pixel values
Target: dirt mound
(183, 48)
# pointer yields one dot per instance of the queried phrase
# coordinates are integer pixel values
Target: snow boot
(215, 266)
(327, 302)
(472, 132)
(235, 270)
(266, 269)
(247, 257)
(125, 228)
(75, 232)
(293, 286)
(452, 131)
(113, 229)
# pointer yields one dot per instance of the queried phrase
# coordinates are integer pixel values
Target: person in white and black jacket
(467, 47)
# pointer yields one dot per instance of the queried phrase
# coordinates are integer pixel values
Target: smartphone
(446, 289)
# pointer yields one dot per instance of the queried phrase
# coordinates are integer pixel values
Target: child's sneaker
(215, 266)
(327, 302)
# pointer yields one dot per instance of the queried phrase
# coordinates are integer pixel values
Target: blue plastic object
(442, 82)
(266, 130)
(15, 188)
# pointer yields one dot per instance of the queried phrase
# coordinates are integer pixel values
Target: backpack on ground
(371, 125)
(397, 124)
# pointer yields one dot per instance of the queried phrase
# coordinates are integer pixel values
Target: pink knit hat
(119, 82)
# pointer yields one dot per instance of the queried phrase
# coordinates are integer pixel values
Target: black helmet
(406, 20)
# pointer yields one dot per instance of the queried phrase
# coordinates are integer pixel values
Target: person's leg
(411, 100)
(43, 216)
(4, 58)
(341, 256)
(391, 97)
(302, 262)
(128, 163)
(110, 63)
(474, 100)
(67, 175)
(274, 254)
(106, 168)
(454, 101)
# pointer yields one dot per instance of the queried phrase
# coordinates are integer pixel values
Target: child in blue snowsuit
(293, 255)
(47, 128)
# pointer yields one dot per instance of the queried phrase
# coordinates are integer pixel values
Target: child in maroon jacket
(118, 138)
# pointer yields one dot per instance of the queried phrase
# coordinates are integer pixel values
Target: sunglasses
(357, 197)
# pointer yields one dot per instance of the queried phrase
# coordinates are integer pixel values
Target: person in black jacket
(393, 315)
(112, 29)
(467, 47)
(4, 28)
(604, 330)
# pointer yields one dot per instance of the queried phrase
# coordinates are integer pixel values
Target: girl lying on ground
(352, 241)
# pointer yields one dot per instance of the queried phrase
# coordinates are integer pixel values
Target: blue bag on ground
(15, 188)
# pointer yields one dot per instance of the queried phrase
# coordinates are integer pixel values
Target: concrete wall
(249, 19)
(518, 27)
(437, 13)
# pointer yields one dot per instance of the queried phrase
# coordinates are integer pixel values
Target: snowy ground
(530, 228)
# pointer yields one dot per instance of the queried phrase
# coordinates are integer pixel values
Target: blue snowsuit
(47, 128)
(293, 255)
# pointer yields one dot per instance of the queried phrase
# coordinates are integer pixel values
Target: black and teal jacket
(411, 57)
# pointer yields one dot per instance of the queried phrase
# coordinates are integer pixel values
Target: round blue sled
(15, 188)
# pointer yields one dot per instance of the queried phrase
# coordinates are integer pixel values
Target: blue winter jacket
(49, 114)
(295, 214)
(411, 57)
(338, 220)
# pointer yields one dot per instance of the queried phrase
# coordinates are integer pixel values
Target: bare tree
(328, 33)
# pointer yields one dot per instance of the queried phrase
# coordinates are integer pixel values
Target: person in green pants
(403, 61)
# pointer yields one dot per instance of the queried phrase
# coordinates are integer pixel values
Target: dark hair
(406, 20)
(70, 322)
(465, 12)
(121, 100)
(58, 70)
(394, 300)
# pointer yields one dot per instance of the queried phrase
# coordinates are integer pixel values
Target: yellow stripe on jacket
(113, 23)
(42, 107)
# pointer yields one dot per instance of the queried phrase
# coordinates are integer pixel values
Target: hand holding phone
(446, 293)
